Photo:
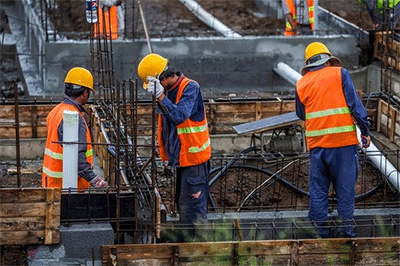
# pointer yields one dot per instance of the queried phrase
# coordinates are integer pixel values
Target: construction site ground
(166, 18)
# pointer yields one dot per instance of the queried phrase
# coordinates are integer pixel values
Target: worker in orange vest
(299, 16)
(111, 19)
(327, 100)
(78, 85)
(183, 136)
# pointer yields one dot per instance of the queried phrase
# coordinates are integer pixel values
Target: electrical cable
(289, 185)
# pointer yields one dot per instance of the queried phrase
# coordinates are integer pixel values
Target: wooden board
(29, 216)
(388, 121)
(360, 251)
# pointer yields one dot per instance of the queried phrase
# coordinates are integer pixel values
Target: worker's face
(86, 95)
(167, 83)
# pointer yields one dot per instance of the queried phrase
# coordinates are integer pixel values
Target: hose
(286, 183)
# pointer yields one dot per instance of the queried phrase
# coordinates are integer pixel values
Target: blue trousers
(338, 166)
(192, 192)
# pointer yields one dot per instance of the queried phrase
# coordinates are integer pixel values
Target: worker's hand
(154, 82)
(98, 182)
(366, 141)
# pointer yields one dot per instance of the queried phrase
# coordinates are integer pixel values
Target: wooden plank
(27, 237)
(392, 114)
(29, 216)
(34, 118)
(13, 171)
(280, 252)
(17, 195)
(27, 223)
(258, 111)
(48, 237)
(26, 209)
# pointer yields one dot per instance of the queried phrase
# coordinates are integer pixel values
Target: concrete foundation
(80, 245)
(221, 65)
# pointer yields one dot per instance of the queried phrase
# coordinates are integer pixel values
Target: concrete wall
(220, 65)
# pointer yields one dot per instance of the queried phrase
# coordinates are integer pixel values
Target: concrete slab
(80, 245)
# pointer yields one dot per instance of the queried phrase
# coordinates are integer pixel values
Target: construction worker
(183, 136)
(111, 19)
(299, 16)
(78, 85)
(377, 8)
(327, 100)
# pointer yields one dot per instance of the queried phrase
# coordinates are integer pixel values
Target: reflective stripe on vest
(188, 130)
(332, 130)
(89, 153)
(54, 155)
(197, 149)
(335, 111)
(52, 173)
(59, 156)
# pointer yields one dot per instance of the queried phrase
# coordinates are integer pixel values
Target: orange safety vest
(53, 154)
(292, 9)
(329, 123)
(110, 14)
(194, 137)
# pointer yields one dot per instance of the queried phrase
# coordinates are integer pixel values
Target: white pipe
(373, 153)
(288, 73)
(208, 19)
(380, 162)
(70, 151)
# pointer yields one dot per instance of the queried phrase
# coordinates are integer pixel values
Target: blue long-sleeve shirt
(353, 101)
(190, 106)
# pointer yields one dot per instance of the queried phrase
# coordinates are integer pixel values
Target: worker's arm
(300, 110)
(85, 170)
(288, 15)
(178, 113)
(356, 107)
(290, 19)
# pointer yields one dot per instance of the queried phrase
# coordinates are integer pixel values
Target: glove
(366, 141)
(98, 182)
(155, 82)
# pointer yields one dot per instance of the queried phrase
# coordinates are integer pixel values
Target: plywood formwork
(388, 121)
(387, 49)
(29, 216)
(221, 115)
(344, 251)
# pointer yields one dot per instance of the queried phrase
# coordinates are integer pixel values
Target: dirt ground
(31, 172)
(166, 18)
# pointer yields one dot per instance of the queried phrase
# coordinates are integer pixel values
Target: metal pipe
(70, 151)
(373, 153)
(208, 19)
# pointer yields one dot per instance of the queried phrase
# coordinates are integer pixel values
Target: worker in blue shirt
(327, 100)
(183, 137)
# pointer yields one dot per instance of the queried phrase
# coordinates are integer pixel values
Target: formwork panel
(29, 216)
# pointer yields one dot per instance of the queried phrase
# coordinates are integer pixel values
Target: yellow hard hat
(151, 65)
(317, 54)
(80, 76)
(315, 48)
